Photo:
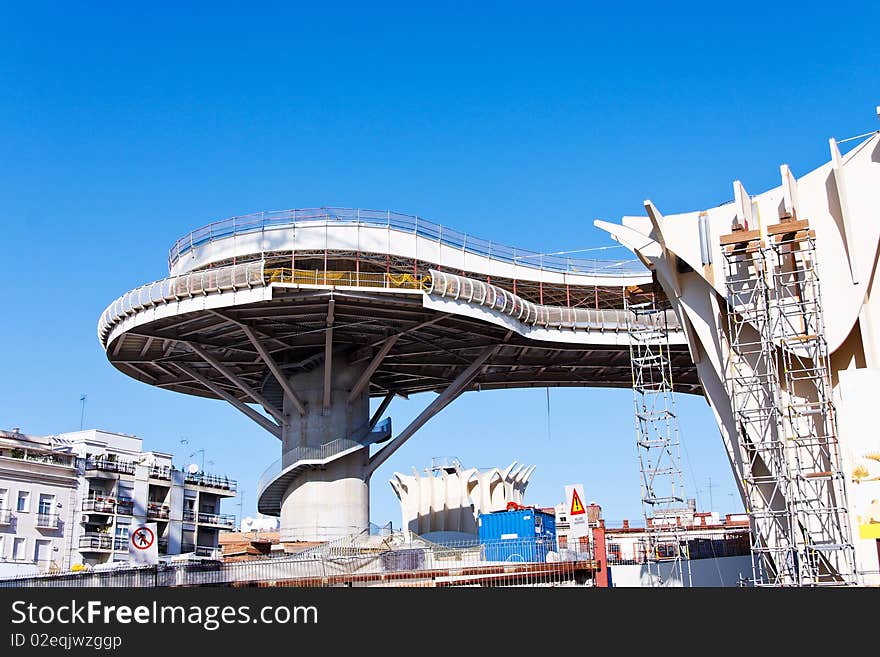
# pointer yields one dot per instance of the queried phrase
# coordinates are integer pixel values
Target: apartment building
(101, 483)
(38, 500)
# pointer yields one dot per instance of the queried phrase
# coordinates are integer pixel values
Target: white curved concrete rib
(684, 251)
(450, 503)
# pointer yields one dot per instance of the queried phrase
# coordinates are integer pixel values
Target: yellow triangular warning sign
(577, 507)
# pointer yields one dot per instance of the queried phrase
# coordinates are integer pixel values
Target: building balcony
(158, 511)
(124, 506)
(99, 505)
(199, 550)
(160, 472)
(5, 516)
(217, 519)
(40, 456)
(105, 464)
(95, 543)
(163, 546)
(46, 521)
(211, 481)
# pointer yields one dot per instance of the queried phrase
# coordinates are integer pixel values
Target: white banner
(578, 523)
(143, 544)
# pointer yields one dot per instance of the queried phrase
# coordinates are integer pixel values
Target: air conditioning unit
(109, 520)
(84, 518)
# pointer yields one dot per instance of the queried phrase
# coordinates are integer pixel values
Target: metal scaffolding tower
(818, 504)
(657, 441)
(779, 385)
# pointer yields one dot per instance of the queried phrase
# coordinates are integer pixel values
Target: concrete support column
(331, 501)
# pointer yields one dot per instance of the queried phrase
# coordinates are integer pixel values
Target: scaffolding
(780, 390)
(657, 441)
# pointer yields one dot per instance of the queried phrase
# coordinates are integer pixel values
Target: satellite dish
(192, 468)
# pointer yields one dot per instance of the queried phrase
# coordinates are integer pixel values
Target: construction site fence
(502, 563)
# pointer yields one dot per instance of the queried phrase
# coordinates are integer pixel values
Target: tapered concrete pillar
(333, 500)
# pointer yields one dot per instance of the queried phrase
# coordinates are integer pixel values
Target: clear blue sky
(121, 128)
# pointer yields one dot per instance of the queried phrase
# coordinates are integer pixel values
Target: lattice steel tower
(657, 439)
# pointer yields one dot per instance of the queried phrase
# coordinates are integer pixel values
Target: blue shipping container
(525, 535)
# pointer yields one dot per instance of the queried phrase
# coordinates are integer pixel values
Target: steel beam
(383, 406)
(442, 401)
(364, 379)
(328, 353)
(273, 367)
(263, 421)
(237, 381)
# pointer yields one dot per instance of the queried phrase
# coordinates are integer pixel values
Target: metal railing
(346, 278)
(95, 505)
(46, 521)
(167, 290)
(211, 481)
(220, 519)
(160, 472)
(360, 561)
(125, 506)
(297, 454)
(261, 221)
(109, 465)
(453, 286)
(95, 542)
(158, 512)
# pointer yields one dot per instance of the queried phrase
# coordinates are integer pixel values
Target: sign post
(143, 544)
(578, 525)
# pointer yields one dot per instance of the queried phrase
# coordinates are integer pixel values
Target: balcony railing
(160, 472)
(220, 519)
(125, 506)
(109, 465)
(163, 545)
(199, 550)
(189, 515)
(96, 505)
(212, 481)
(158, 512)
(93, 542)
(5, 516)
(39, 456)
(47, 521)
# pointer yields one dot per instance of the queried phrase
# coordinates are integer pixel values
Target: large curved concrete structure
(822, 227)
(307, 314)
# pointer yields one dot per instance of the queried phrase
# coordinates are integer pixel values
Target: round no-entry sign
(142, 538)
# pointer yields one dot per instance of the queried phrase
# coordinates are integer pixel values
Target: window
(3, 494)
(18, 548)
(24, 501)
(2, 547)
(42, 551)
(47, 502)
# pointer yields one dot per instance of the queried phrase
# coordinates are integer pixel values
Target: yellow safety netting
(346, 278)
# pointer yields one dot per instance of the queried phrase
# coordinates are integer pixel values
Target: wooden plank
(784, 227)
(740, 236)
(799, 236)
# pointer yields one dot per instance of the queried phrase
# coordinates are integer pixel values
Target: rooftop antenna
(240, 507)
(82, 410)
